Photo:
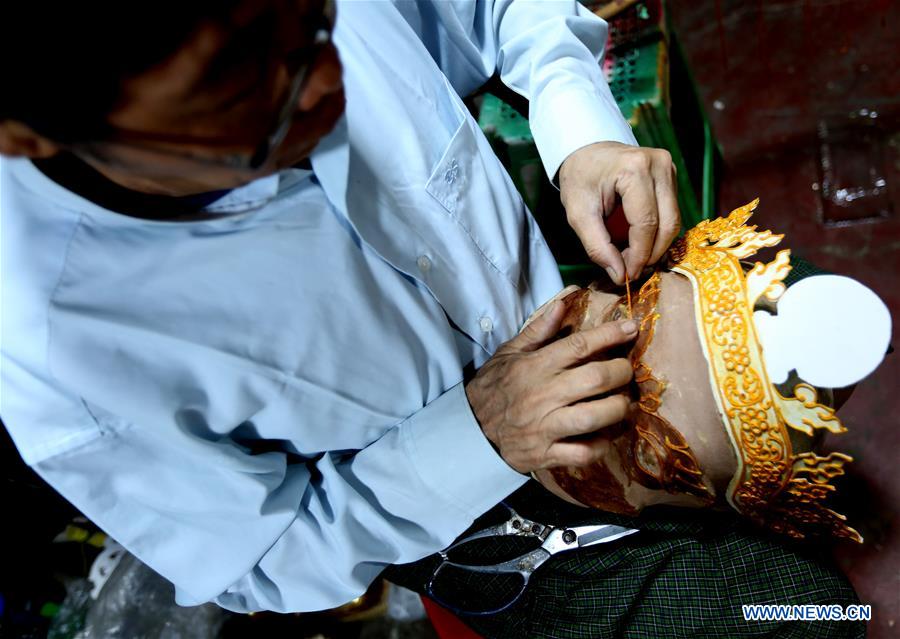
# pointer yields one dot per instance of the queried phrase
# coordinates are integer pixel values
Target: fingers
(585, 213)
(667, 205)
(581, 419)
(589, 180)
(538, 332)
(600, 249)
(593, 378)
(639, 202)
(577, 454)
(584, 345)
(588, 417)
(659, 214)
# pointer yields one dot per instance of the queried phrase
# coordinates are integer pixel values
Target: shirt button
(486, 324)
(424, 263)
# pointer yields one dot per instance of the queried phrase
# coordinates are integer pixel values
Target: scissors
(553, 540)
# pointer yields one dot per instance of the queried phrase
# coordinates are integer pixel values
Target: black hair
(62, 63)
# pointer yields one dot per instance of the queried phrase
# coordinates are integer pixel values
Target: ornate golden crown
(773, 486)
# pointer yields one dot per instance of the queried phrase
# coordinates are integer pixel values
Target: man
(236, 321)
(180, 359)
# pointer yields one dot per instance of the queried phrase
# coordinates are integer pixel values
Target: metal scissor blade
(604, 534)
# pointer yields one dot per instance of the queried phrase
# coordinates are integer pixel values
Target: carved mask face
(672, 448)
(713, 421)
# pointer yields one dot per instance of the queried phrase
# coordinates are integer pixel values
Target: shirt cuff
(454, 458)
(563, 122)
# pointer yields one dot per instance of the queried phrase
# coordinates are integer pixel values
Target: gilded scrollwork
(803, 412)
(772, 485)
(659, 450)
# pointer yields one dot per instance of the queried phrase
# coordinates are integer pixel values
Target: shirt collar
(330, 160)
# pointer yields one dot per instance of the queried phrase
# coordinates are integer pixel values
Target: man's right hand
(525, 396)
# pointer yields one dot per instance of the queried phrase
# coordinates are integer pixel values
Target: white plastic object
(831, 329)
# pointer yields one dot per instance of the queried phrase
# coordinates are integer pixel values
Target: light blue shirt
(265, 405)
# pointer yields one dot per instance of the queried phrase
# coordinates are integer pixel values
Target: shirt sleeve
(268, 531)
(548, 52)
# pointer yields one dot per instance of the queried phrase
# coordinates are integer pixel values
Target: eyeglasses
(236, 161)
(283, 123)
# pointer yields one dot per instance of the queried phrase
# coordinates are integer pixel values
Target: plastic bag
(136, 603)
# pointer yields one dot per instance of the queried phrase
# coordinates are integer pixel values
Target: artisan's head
(713, 422)
(170, 97)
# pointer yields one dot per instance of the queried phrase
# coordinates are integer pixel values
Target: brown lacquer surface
(646, 449)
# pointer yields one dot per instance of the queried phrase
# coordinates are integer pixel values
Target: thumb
(589, 225)
(599, 247)
(539, 331)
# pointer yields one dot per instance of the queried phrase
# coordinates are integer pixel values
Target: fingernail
(630, 326)
(613, 274)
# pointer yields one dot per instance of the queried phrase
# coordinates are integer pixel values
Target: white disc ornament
(831, 329)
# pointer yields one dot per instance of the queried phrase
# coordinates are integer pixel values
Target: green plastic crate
(637, 70)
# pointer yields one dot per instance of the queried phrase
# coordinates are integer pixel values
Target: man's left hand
(644, 179)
